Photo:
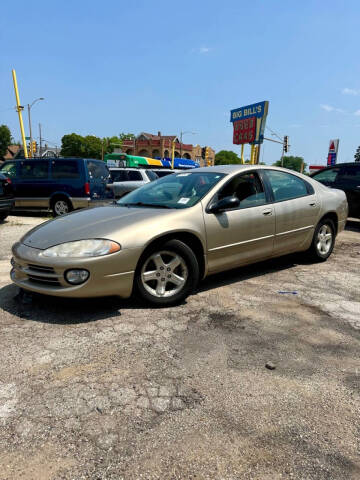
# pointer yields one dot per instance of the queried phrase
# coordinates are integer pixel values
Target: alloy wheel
(324, 239)
(61, 207)
(164, 274)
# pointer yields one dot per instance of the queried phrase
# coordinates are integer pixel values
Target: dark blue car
(61, 184)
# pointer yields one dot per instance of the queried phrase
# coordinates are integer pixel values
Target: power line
(274, 133)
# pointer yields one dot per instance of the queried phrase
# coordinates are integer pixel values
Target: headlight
(82, 248)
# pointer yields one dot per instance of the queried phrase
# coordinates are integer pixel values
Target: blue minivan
(61, 184)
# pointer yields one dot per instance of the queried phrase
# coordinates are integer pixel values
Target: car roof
(229, 169)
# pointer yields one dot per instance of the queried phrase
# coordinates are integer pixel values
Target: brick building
(149, 145)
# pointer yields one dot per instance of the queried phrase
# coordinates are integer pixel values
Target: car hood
(101, 222)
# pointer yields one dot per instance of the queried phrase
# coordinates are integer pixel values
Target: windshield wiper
(142, 204)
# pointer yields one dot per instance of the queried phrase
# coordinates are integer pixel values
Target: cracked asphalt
(111, 389)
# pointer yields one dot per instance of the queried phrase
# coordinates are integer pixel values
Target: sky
(113, 66)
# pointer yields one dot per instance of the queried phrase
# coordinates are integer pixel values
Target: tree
(292, 163)
(226, 157)
(5, 140)
(92, 147)
(72, 145)
(357, 154)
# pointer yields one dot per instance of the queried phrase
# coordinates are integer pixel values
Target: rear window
(98, 170)
(151, 175)
(9, 169)
(162, 173)
(65, 169)
(33, 169)
(350, 173)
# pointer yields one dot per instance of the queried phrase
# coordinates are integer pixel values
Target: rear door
(68, 177)
(348, 180)
(297, 210)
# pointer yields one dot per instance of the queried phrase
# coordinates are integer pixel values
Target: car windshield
(182, 190)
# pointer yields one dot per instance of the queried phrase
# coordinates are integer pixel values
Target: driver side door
(244, 234)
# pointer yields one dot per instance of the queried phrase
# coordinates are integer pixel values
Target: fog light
(76, 276)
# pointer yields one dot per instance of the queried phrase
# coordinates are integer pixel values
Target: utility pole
(19, 109)
(40, 140)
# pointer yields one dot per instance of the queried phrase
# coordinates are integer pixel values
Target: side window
(327, 176)
(65, 169)
(247, 187)
(9, 169)
(33, 169)
(286, 186)
(349, 174)
(134, 176)
(118, 175)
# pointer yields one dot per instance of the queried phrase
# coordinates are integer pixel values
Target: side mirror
(226, 203)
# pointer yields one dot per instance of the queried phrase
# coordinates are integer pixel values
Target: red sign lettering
(244, 131)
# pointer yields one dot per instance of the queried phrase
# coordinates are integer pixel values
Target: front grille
(42, 275)
(41, 269)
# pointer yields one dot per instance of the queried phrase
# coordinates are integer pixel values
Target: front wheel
(323, 241)
(167, 274)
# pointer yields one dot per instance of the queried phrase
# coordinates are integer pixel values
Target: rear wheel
(167, 274)
(61, 206)
(3, 216)
(323, 241)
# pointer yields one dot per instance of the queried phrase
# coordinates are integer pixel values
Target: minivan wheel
(323, 241)
(167, 274)
(61, 206)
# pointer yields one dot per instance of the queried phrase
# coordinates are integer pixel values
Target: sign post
(249, 125)
(333, 150)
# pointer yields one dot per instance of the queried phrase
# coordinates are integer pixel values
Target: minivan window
(327, 176)
(9, 169)
(34, 169)
(97, 170)
(65, 169)
(350, 174)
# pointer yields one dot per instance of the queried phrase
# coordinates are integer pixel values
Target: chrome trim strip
(294, 231)
(118, 274)
(241, 243)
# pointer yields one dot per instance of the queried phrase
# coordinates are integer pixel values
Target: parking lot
(112, 389)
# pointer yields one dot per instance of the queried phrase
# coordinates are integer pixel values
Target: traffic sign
(27, 138)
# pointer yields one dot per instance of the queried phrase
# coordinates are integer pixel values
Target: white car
(125, 179)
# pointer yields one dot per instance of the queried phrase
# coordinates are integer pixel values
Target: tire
(3, 216)
(323, 241)
(173, 260)
(61, 206)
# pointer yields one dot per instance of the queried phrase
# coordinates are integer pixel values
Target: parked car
(161, 242)
(62, 184)
(6, 197)
(125, 179)
(345, 176)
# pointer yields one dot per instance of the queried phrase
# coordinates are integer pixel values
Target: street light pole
(29, 115)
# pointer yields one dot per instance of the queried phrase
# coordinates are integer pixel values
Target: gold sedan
(161, 239)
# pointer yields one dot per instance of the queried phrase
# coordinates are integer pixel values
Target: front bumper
(109, 275)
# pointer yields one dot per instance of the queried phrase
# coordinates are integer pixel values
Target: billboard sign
(249, 123)
(332, 153)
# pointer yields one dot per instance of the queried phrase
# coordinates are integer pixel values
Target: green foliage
(226, 157)
(74, 145)
(292, 163)
(5, 140)
(357, 154)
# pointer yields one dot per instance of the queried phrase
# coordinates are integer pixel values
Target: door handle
(312, 204)
(267, 212)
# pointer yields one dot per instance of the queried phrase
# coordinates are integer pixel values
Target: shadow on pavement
(66, 311)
